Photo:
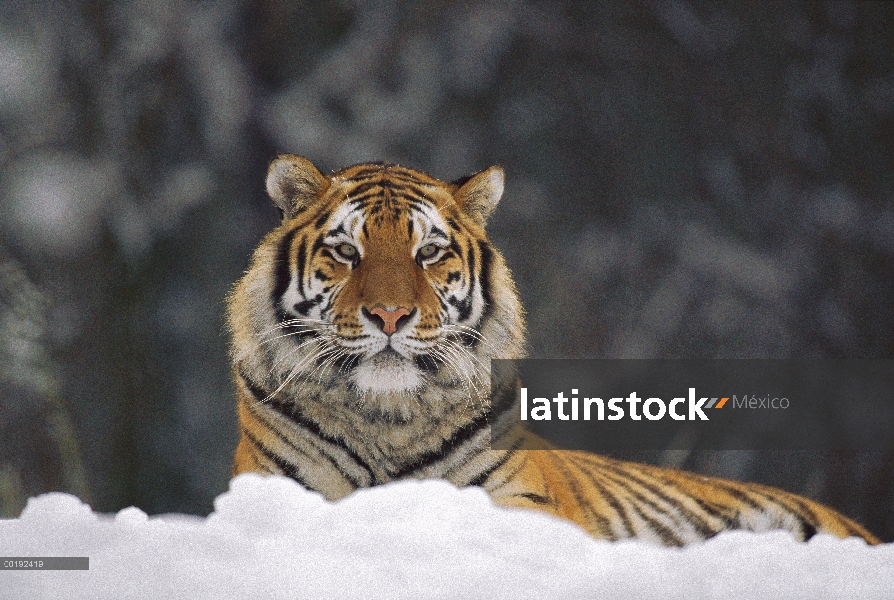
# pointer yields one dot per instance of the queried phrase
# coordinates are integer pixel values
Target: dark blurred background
(684, 179)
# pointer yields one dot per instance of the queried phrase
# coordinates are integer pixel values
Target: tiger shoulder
(361, 340)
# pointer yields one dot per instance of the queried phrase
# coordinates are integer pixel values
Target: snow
(270, 538)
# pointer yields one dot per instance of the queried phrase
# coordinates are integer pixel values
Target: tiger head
(378, 275)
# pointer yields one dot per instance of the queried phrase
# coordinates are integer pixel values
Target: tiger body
(361, 339)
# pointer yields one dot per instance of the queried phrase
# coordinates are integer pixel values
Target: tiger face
(383, 275)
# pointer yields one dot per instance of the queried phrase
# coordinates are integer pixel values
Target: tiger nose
(388, 320)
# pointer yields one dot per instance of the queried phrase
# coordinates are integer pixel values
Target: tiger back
(362, 335)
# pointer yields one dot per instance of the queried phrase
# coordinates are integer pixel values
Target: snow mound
(270, 538)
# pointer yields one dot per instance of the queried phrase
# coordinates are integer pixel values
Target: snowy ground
(269, 538)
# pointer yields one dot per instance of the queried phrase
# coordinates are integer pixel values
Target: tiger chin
(362, 335)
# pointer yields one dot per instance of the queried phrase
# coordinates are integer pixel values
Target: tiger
(361, 339)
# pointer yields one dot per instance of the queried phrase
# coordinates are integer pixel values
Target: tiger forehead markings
(362, 335)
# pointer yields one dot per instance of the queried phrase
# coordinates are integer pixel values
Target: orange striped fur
(361, 339)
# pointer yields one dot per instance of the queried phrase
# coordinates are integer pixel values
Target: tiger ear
(479, 194)
(294, 183)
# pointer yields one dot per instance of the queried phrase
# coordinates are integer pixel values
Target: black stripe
(487, 259)
(464, 305)
(482, 477)
(307, 439)
(323, 218)
(428, 363)
(807, 525)
(604, 523)
(362, 188)
(622, 479)
(736, 493)
(459, 437)
(807, 519)
(336, 231)
(405, 175)
(292, 412)
(404, 184)
(697, 521)
(282, 273)
(725, 514)
(803, 525)
(455, 247)
(255, 391)
(804, 509)
(330, 299)
(303, 307)
(373, 169)
(359, 202)
(414, 202)
(667, 535)
(299, 263)
(259, 394)
(508, 477)
(807, 529)
(535, 498)
(257, 453)
(439, 232)
(599, 521)
(288, 469)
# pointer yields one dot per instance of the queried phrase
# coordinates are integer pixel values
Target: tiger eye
(347, 250)
(428, 251)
